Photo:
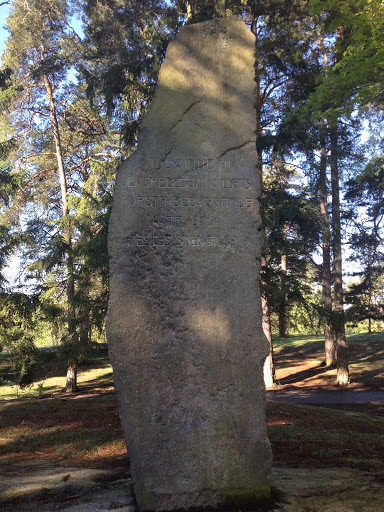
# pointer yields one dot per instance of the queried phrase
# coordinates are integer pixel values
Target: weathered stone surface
(184, 325)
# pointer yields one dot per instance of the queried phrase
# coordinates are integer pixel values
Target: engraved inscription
(188, 202)
(188, 183)
(167, 222)
(189, 164)
(197, 221)
(182, 241)
(186, 241)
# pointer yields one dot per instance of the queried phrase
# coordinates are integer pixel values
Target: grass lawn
(320, 437)
(299, 362)
(49, 375)
(49, 426)
(86, 432)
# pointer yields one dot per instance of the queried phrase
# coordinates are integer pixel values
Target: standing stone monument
(184, 323)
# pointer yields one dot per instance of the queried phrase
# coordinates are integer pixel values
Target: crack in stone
(164, 158)
(189, 170)
(185, 113)
(252, 141)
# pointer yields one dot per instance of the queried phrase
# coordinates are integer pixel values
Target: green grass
(49, 375)
(317, 341)
(318, 436)
(87, 432)
(299, 361)
(82, 432)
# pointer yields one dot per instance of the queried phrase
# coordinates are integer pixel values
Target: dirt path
(325, 397)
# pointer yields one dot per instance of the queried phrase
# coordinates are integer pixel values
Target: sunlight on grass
(297, 340)
(86, 430)
(61, 430)
(322, 437)
(93, 374)
(365, 337)
(96, 378)
(299, 361)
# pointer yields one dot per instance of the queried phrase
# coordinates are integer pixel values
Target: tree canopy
(75, 82)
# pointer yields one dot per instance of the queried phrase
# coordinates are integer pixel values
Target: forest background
(75, 81)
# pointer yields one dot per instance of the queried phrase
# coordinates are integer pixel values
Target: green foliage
(366, 192)
(305, 316)
(291, 228)
(356, 78)
(16, 335)
(64, 214)
(201, 10)
(99, 112)
(124, 46)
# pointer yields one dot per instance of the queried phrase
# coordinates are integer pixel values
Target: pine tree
(365, 193)
(280, 44)
(124, 46)
(35, 54)
(65, 154)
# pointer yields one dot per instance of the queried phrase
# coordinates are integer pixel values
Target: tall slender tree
(35, 54)
(66, 170)
(339, 317)
(330, 355)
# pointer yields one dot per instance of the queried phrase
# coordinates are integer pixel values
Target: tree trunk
(71, 384)
(330, 356)
(370, 301)
(339, 321)
(269, 365)
(283, 292)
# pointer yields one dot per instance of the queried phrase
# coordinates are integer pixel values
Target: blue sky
(4, 9)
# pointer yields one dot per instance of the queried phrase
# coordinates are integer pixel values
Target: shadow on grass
(67, 431)
(299, 359)
(97, 383)
(304, 374)
(50, 366)
(318, 436)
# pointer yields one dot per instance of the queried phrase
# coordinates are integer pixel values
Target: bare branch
(90, 158)
(31, 155)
